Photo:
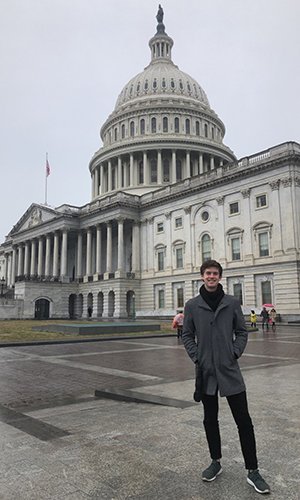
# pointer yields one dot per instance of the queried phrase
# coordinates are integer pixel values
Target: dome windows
(205, 130)
(123, 131)
(181, 85)
(146, 86)
(189, 88)
(172, 84)
(163, 83)
(187, 126)
(116, 134)
(153, 125)
(176, 125)
(138, 87)
(142, 126)
(155, 84)
(197, 128)
(131, 127)
(165, 124)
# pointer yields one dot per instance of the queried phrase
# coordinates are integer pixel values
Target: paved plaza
(59, 441)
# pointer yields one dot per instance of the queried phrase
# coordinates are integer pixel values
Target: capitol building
(167, 194)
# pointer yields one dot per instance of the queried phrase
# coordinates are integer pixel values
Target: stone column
(101, 179)
(159, 167)
(40, 257)
(93, 185)
(98, 249)
(212, 162)
(119, 172)
(277, 241)
(173, 166)
(187, 164)
(55, 254)
(89, 236)
(9, 259)
(120, 267)
(109, 176)
(33, 258)
(20, 261)
(131, 169)
(13, 265)
(136, 249)
(125, 169)
(48, 253)
(26, 259)
(145, 167)
(200, 163)
(108, 249)
(79, 255)
(64, 253)
(96, 182)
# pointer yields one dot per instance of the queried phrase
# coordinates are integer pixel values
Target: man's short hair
(211, 263)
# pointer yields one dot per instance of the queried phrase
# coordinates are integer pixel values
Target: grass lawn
(21, 331)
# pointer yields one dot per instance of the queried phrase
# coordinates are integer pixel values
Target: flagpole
(46, 177)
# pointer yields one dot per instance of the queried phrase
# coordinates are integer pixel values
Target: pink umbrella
(269, 305)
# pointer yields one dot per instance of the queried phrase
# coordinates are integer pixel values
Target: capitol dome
(162, 129)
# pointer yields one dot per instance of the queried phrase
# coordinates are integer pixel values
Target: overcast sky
(64, 63)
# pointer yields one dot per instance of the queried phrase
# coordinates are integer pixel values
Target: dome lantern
(161, 44)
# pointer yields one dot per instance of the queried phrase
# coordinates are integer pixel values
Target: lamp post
(3, 283)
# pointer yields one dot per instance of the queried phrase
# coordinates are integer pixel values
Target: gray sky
(64, 62)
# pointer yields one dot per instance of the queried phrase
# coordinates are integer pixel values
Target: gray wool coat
(216, 340)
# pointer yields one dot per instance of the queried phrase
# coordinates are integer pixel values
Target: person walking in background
(272, 316)
(215, 336)
(253, 319)
(178, 322)
(265, 318)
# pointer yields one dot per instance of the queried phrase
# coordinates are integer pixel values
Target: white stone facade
(166, 195)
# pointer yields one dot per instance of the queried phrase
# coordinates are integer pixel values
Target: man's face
(211, 278)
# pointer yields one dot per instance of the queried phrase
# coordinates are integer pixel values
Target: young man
(215, 336)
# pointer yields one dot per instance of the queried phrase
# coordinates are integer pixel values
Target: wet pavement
(142, 437)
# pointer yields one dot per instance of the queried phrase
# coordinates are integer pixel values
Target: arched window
(197, 128)
(187, 126)
(165, 124)
(178, 170)
(153, 173)
(131, 129)
(153, 125)
(166, 170)
(176, 125)
(123, 131)
(206, 247)
(213, 132)
(116, 134)
(205, 130)
(142, 126)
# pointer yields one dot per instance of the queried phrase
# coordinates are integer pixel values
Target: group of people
(268, 318)
(214, 334)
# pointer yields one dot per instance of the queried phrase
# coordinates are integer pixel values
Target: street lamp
(3, 283)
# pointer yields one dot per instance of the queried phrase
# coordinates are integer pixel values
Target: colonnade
(75, 254)
(146, 168)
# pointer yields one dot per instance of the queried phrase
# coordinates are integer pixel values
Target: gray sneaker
(259, 484)
(212, 471)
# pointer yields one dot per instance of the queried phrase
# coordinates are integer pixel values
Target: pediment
(34, 216)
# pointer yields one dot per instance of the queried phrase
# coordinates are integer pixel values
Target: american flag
(47, 168)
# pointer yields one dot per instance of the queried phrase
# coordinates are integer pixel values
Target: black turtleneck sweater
(213, 299)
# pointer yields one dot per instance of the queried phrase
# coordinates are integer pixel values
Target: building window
(234, 208)
(238, 292)
(266, 293)
(212, 132)
(142, 126)
(165, 124)
(131, 129)
(178, 222)
(205, 216)
(116, 134)
(180, 297)
(197, 128)
(179, 257)
(235, 248)
(160, 260)
(141, 172)
(153, 125)
(187, 126)
(153, 170)
(261, 201)
(166, 170)
(178, 170)
(176, 125)
(161, 299)
(205, 247)
(205, 130)
(123, 131)
(160, 227)
(263, 242)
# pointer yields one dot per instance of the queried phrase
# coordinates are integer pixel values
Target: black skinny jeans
(239, 409)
